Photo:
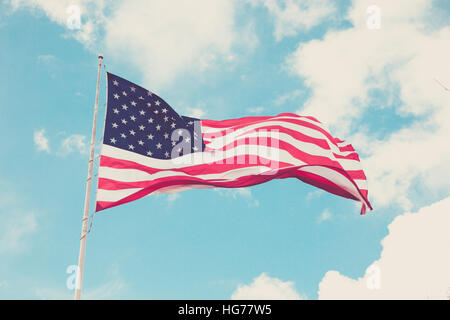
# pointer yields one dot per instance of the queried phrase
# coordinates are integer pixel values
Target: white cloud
(57, 10)
(405, 53)
(160, 41)
(46, 58)
(314, 194)
(74, 143)
(235, 193)
(256, 110)
(166, 41)
(414, 263)
(292, 16)
(325, 215)
(41, 141)
(91, 15)
(195, 113)
(266, 288)
(346, 64)
(288, 97)
(281, 100)
(172, 197)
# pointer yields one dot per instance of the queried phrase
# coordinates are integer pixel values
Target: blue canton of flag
(138, 120)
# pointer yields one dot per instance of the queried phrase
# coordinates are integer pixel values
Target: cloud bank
(266, 288)
(414, 262)
(161, 41)
(349, 70)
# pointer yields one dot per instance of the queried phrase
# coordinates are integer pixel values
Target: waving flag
(149, 148)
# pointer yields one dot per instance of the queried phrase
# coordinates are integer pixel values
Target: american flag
(149, 148)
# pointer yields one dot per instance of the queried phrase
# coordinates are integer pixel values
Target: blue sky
(383, 89)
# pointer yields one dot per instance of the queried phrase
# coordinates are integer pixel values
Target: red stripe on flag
(249, 120)
(243, 181)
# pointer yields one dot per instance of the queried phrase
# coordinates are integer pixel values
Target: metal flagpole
(87, 199)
